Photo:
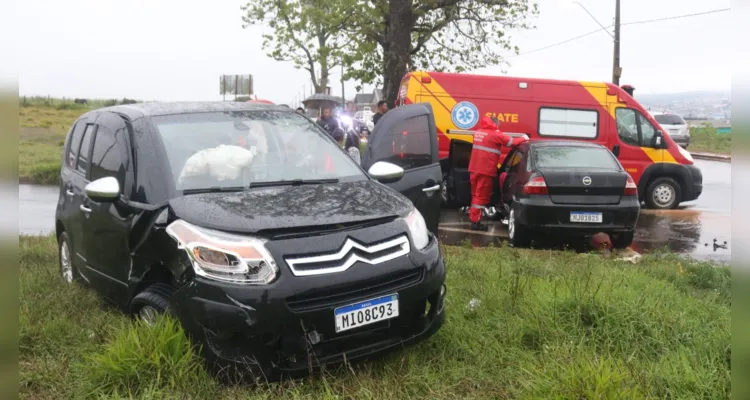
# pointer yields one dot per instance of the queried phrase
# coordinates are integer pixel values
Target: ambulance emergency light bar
(466, 132)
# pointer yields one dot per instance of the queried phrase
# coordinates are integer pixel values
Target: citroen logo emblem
(586, 180)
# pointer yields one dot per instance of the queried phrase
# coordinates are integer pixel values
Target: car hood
(290, 207)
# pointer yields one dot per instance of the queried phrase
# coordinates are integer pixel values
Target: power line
(676, 17)
(626, 23)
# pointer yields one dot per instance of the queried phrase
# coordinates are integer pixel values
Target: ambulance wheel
(663, 194)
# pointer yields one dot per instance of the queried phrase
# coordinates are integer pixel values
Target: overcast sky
(177, 49)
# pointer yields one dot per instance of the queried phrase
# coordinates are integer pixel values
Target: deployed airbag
(224, 162)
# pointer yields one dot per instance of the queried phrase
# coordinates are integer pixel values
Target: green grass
(549, 325)
(706, 139)
(42, 135)
(43, 124)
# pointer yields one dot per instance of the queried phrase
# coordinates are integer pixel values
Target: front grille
(349, 254)
(339, 296)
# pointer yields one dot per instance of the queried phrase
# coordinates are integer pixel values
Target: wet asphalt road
(689, 230)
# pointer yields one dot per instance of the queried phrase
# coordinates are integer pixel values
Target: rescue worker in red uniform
(485, 155)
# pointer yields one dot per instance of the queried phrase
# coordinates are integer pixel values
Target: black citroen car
(247, 222)
(567, 188)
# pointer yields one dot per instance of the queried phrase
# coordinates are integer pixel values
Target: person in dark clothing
(382, 109)
(328, 122)
(301, 110)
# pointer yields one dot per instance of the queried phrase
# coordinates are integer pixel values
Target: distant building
(369, 101)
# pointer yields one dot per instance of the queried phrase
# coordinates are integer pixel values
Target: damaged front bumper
(287, 327)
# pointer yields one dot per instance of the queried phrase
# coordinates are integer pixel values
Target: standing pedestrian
(382, 109)
(328, 122)
(485, 154)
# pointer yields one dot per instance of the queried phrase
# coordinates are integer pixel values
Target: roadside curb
(711, 156)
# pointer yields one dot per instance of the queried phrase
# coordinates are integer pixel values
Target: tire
(447, 200)
(622, 240)
(518, 235)
(68, 272)
(152, 302)
(663, 194)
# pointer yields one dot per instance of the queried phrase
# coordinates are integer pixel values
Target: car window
(669, 119)
(627, 125)
(568, 123)
(514, 162)
(407, 144)
(82, 165)
(110, 154)
(647, 131)
(75, 143)
(574, 157)
(227, 149)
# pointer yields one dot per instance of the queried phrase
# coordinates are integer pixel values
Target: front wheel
(152, 302)
(663, 194)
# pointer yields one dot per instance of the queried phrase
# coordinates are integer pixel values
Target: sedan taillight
(630, 187)
(536, 185)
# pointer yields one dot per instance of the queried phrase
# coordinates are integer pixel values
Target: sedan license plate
(587, 217)
(366, 312)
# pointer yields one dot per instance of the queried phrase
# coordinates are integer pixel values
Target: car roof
(564, 143)
(153, 109)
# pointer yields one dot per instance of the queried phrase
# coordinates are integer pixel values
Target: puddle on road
(685, 231)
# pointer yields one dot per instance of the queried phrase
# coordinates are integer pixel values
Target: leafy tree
(307, 32)
(395, 36)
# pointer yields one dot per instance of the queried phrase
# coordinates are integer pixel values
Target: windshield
(574, 157)
(239, 148)
(669, 119)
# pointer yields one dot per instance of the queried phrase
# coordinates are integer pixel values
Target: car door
(74, 183)
(107, 225)
(406, 136)
(514, 166)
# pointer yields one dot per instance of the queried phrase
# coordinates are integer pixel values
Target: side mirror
(658, 139)
(103, 190)
(616, 150)
(385, 172)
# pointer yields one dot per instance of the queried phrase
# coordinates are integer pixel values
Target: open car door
(459, 185)
(407, 137)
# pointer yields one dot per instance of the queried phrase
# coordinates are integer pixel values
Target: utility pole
(343, 96)
(616, 70)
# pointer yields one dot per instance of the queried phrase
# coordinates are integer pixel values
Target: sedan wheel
(518, 236)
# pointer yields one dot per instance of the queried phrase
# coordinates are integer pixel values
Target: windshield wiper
(214, 189)
(293, 182)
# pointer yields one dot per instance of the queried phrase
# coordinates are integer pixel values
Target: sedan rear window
(669, 119)
(574, 157)
(239, 148)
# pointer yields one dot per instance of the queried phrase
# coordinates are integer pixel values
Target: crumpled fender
(150, 246)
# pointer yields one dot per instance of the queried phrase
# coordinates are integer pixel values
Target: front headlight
(223, 256)
(685, 153)
(418, 229)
